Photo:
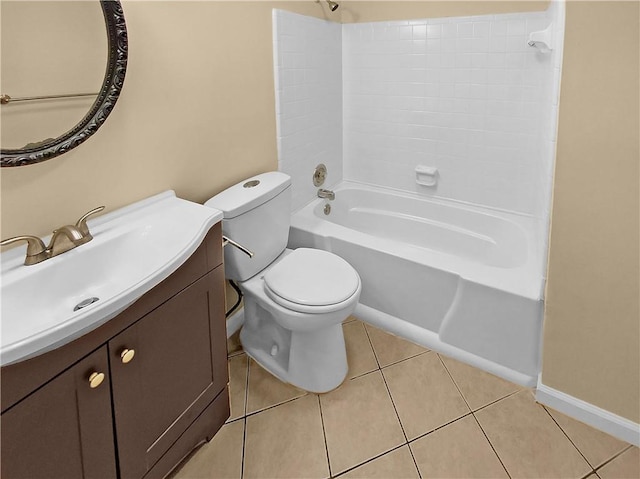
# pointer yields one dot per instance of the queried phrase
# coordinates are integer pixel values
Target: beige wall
(197, 114)
(355, 11)
(592, 336)
(66, 41)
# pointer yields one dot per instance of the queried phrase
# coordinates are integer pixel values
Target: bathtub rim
(527, 280)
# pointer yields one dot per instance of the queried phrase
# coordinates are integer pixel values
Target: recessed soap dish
(426, 175)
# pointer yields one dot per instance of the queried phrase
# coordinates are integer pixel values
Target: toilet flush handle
(226, 241)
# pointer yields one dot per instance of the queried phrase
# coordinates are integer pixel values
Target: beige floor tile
(360, 355)
(478, 387)
(528, 441)
(390, 349)
(595, 445)
(349, 319)
(424, 394)
(238, 369)
(359, 421)
(265, 390)
(397, 464)
(457, 450)
(220, 458)
(233, 345)
(286, 441)
(625, 466)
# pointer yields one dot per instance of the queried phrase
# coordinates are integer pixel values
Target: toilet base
(314, 360)
(306, 349)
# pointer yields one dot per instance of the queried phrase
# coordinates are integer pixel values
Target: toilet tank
(257, 214)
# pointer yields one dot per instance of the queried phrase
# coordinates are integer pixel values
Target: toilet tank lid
(249, 193)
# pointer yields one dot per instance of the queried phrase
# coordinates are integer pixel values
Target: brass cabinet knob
(95, 379)
(127, 355)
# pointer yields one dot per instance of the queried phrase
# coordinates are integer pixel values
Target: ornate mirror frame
(107, 97)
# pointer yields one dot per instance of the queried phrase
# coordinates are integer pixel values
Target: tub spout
(326, 194)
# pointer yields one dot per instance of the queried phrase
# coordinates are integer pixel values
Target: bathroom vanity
(134, 396)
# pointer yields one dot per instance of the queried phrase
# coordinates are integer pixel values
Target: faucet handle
(81, 224)
(35, 248)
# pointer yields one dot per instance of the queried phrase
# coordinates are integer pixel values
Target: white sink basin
(133, 249)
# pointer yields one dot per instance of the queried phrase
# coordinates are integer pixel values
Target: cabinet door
(64, 429)
(177, 369)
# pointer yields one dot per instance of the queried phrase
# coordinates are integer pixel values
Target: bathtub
(459, 279)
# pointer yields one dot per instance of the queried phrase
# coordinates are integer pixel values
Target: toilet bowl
(294, 300)
(300, 342)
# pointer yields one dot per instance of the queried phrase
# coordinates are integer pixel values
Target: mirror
(58, 93)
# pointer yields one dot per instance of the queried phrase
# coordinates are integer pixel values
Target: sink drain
(85, 302)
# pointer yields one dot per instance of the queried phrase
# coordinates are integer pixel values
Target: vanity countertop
(133, 249)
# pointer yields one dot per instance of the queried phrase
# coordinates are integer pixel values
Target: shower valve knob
(319, 175)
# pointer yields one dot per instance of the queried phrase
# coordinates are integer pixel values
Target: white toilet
(294, 300)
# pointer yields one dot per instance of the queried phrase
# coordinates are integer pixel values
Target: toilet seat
(311, 280)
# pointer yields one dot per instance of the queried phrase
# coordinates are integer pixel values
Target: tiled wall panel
(466, 95)
(308, 77)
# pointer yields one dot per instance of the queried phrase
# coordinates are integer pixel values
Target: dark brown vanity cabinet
(172, 377)
(65, 428)
(163, 389)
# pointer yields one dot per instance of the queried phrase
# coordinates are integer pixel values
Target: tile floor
(403, 412)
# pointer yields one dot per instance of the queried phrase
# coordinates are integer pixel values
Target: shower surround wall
(308, 82)
(466, 95)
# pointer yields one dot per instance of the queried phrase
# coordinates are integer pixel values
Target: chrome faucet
(326, 194)
(63, 239)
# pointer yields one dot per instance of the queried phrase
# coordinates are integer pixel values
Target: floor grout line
(246, 387)
(395, 409)
(406, 359)
(415, 463)
(439, 427)
(384, 379)
(495, 401)
(491, 444)
(395, 448)
(474, 416)
(406, 438)
(375, 355)
(244, 442)
(612, 459)
(454, 382)
(324, 434)
(244, 419)
(364, 374)
(234, 420)
(588, 474)
(570, 440)
(250, 414)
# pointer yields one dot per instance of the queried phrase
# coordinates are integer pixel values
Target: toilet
(294, 300)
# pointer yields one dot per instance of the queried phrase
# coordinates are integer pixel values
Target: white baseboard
(587, 413)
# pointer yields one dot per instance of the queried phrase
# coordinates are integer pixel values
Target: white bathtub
(459, 279)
